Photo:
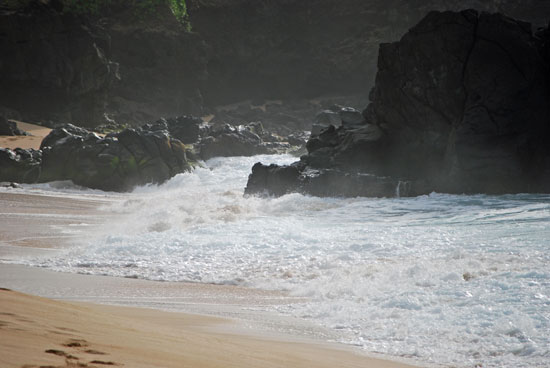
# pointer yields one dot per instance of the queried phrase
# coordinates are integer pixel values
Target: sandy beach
(37, 133)
(73, 327)
(38, 332)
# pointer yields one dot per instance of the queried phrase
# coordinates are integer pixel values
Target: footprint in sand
(61, 353)
(76, 343)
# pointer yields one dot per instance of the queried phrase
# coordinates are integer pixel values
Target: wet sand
(37, 133)
(39, 332)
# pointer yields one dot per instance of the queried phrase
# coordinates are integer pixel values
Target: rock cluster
(461, 104)
(117, 162)
(120, 161)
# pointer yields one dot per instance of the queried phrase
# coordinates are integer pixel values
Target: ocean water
(462, 281)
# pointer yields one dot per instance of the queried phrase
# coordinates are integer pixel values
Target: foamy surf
(454, 280)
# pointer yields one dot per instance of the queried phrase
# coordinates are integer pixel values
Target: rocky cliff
(60, 67)
(53, 66)
(300, 49)
(461, 104)
(86, 70)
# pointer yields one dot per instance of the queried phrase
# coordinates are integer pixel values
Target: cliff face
(297, 49)
(58, 67)
(53, 66)
(67, 69)
(162, 67)
(461, 104)
(464, 99)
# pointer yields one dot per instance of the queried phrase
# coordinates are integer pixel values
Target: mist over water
(454, 280)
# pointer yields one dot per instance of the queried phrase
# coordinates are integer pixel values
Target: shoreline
(230, 325)
(44, 332)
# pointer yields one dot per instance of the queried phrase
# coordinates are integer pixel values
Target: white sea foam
(456, 280)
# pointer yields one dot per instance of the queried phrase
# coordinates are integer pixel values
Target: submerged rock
(460, 105)
(280, 180)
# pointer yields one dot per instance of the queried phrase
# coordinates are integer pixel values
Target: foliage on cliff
(143, 8)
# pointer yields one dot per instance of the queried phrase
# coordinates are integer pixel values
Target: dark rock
(292, 49)
(351, 116)
(244, 140)
(162, 66)
(475, 114)
(472, 117)
(54, 65)
(323, 120)
(231, 141)
(280, 180)
(273, 180)
(9, 127)
(188, 129)
(117, 163)
(298, 139)
(7, 184)
(19, 165)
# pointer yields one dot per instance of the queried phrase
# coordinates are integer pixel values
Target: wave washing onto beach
(453, 280)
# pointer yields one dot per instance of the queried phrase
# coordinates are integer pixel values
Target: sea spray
(454, 280)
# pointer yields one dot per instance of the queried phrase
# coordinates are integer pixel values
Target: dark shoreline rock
(116, 162)
(9, 127)
(121, 160)
(460, 105)
(19, 165)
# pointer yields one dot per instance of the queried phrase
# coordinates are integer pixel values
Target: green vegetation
(143, 8)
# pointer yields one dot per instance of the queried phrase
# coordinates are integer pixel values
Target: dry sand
(29, 141)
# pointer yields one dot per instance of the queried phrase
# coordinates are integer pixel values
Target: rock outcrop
(117, 162)
(153, 153)
(460, 105)
(162, 66)
(19, 165)
(242, 140)
(289, 49)
(57, 66)
(116, 66)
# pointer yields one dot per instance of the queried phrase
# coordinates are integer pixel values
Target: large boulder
(162, 65)
(460, 105)
(117, 162)
(232, 141)
(187, 128)
(464, 99)
(20, 165)
(280, 180)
